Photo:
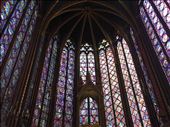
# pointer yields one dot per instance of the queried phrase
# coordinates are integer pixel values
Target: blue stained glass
(66, 77)
(11, 27)
(15, 52)
(69, 91)
(15, 61)
(23, 52)
(161, 47)
(50, 77)
(42, 87)
(163, 10)
(7, 7)
(156, 22)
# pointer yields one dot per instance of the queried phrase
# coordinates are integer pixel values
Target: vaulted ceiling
(87, 21)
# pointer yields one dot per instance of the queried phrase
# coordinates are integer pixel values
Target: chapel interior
(85, 63)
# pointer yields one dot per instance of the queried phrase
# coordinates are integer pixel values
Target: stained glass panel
(156, 31)
(157, 23)
(163, 10)
(21, 57)
(135, 97)
(69, 90)
(83, 66)
(6, 9)
(88, 112)
(112, 98)
(106, 90)
(43, 97)
(87, 63)
(16, 48)
(64, 100)
(12, 68)
(47, 92)
(91, 67)
(9, 31)
(148, 82)
(61, 89)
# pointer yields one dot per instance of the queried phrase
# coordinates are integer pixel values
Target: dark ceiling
(87, 21)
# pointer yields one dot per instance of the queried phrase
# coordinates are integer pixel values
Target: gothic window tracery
(87, 63)
(64, 98)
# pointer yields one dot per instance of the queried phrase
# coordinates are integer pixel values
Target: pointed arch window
(87, 63)
(64, 98)
(114, 104)
(156, 18)
(88, 112)
(112, 97)
(43, 97)
(16, 34)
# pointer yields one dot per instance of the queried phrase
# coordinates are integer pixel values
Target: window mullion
(88, 102)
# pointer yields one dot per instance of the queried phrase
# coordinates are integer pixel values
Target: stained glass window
(14, 20)
(64, 98)
(7, 8)
(156, 18)
(134, 93)
(32, 80)
(114, 113)
(88, 112)
(15, 60)
(43, 97)
(87, 63)
(147, 79)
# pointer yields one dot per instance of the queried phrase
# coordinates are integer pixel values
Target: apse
(85, 63)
